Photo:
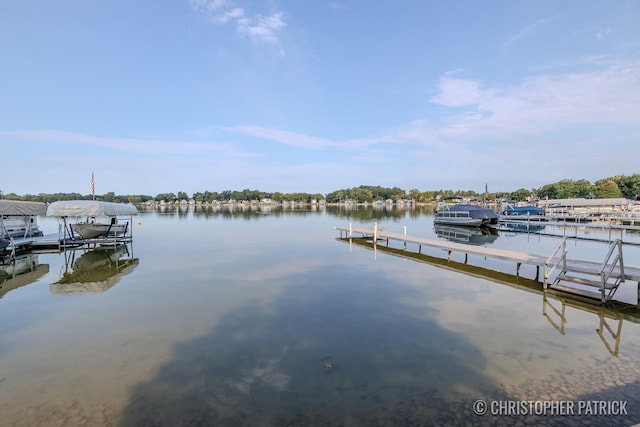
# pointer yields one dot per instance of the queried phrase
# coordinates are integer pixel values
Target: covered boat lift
(92, 210)
(18, 219)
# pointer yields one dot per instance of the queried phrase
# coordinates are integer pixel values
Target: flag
(92, 186)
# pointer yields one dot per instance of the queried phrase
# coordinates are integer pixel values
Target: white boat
(467, 215)
(91, 230)
(19, 219)
(95, 219)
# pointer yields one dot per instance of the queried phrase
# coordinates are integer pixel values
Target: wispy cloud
(257, 27)
(529, 30)
(606, 96)
(454, 92)
(292, 139)
(298, 140)
(139, 145)
(260, 27)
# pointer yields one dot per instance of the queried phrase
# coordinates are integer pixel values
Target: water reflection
(94, 271)
(610, 321)
(554, 306)
(256, 211)
(24, 270)
(323, 353)
(232, 323)
(478, 236)
(523, 227)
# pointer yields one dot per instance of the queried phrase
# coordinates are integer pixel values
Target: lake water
(264, 318)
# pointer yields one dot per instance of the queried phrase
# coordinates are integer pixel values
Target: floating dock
(560, 273)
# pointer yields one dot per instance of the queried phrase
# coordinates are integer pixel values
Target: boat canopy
(90, 208)
(20, 208)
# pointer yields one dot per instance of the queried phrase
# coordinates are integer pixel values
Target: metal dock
(59, 241)
(572, 276)
(537, 224)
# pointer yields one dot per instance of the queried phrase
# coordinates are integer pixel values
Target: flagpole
(92, 187)
(486, 193)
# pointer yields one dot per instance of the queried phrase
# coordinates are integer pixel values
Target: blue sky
(314, 96)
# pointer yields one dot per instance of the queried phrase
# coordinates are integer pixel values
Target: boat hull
(92, 231)
(468, 222)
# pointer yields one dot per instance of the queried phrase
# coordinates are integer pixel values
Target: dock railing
(550, 268)
(606, 268)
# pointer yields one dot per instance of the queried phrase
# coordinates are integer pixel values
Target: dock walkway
(548, 263)
(58, 241)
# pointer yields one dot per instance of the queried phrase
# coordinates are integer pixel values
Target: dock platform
(557, 261)
(59, 241)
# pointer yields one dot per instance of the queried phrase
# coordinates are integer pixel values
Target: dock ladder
(605, 278)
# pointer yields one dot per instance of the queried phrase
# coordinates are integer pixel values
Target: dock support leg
(465, 258)
(404, 231)
(518, 269)
(420, 251)
(537, 272)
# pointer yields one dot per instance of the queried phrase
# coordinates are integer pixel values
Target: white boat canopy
(20, 208)
(65, 208)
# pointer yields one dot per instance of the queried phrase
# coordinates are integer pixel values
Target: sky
(314, 96)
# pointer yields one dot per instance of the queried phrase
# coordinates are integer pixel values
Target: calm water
(264, 318)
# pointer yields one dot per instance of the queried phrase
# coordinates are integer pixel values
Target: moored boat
(523, 210)
(466, 215)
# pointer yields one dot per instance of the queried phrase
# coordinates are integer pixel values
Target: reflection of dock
(94, 271)
(22, 271)
(610, 321)
(610, 316)
(604, 276)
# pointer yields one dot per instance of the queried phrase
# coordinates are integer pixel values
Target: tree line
(618, 186)
(613, 187)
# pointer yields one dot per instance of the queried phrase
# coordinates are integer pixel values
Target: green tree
(521, 194)
(566, 189)
(415, 194)
(628, 185)
(608, 190)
